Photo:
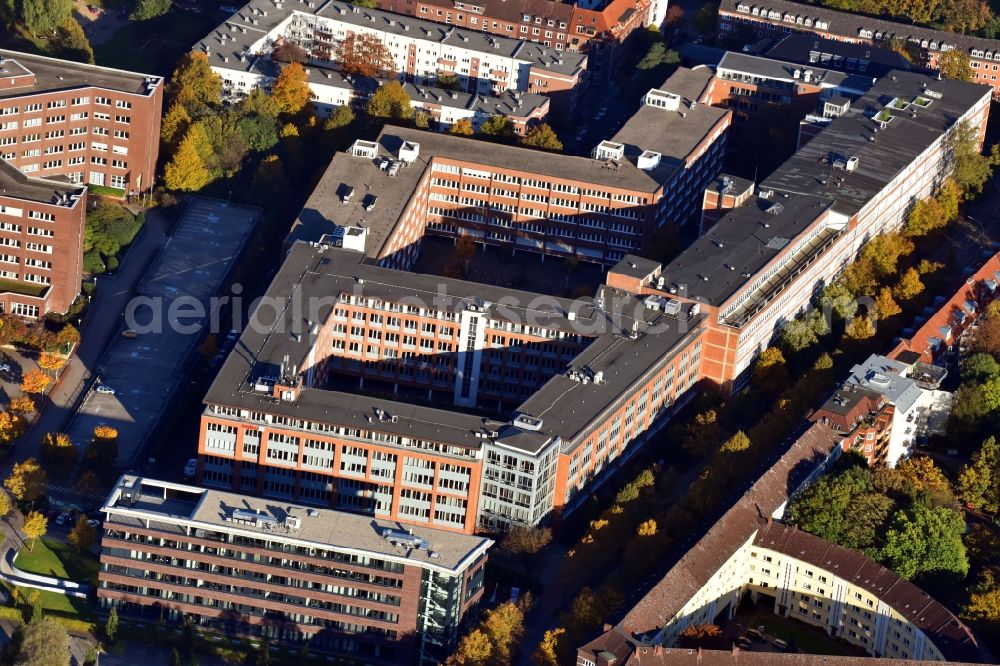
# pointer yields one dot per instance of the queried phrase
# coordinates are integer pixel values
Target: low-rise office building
(361, 588)
(421, 52)
(41, 243)
(777, 17)
(90, 124)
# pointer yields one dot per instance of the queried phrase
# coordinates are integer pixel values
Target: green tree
(970, 169)
(258, 103)
(269, 179)
(797, 334)
(822, 507)
(390, 101)
(498, 127)
(342, 116)
(187, 172)
(979, 481)
(291, 89)
(195, 85)
(111, 625)
(258, 132)
(45, 15)
(839, 299)
(909, 285)
(544, 137)
(955, 64)
(43, 643)
(704, 21)
(980, 367)
(70, 42)
(149, 9)
(658, 55)
(924, 540)
(865, 519)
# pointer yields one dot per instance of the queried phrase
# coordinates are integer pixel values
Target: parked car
(104, 389)
(755, 635)
(229, 9)
(5, 367)
(130, 334)
(191, 468)
(780, 644)
(744, 643)
(62, 519)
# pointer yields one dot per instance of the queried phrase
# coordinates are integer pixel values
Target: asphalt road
(100, 324)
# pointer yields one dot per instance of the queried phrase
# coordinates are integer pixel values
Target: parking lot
(144, 371)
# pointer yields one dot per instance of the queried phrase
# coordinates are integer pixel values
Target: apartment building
(748, 552)
(748, 83)
(760, 264)
(278, 422)
(599, 29)
(863, 419)
(776, 17)
(359, 588)
(621, 652)
(41, 243)
(240, 49)
(89, 124)
(937, 338)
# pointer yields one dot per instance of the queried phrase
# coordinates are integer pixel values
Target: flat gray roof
(732, 251)
(14, 183)
(258, 18)
(779, 70)
(673, 134)
(55, 74)
(185, 505)
(510, 103)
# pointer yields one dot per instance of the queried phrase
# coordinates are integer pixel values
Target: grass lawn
(153, 46)
(806, 638)
(25, 288)
(55, 558)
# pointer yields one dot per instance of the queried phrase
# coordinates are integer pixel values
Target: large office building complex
(345, 583)
(535, 397)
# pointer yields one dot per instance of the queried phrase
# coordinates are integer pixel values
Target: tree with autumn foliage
(25, 481)
(176, 122)
(770, 373)
(462, 127)
(35, 381)
(494, 641)
(544, 137)
(390, 101)
(68, 335)
(82, 536)
(547, 652)
(697, 635)
(860, 328)
(291, 89)
(365, 55)
(11, 427)
(194, 84)
(885, 305)
(955, 64)
(21, 405)
(102, 451)
(187, 170)
(57, 447)
(909, 285)
(35, 525)
(51, 362)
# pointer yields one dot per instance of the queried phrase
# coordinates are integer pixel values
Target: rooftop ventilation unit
(526, 422)
(409, 151)
(648, 160)
(362, 148)
(608, 150)
(405, 539)
(662, 99)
